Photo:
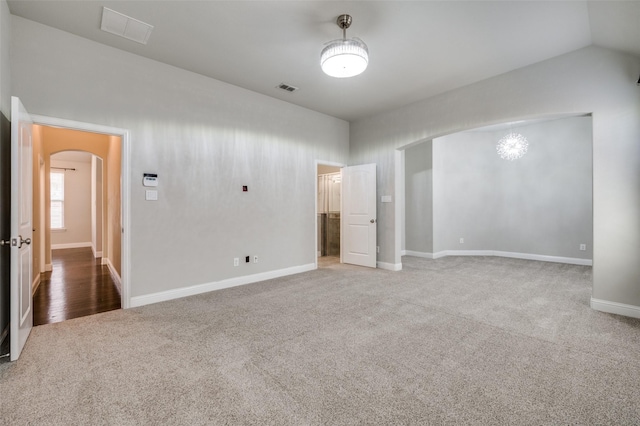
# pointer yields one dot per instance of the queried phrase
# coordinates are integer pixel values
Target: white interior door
(359, 219)
(21, 227)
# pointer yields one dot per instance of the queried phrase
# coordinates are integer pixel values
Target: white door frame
(399, 189)
(315, 203)
(125, 195)
(42, 225)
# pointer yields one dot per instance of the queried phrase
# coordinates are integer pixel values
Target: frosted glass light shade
(344, 58)
(512, 146)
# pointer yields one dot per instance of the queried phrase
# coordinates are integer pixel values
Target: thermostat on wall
(150, 179)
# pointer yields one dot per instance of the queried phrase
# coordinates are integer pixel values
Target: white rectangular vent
(125, 26)
(287, 87)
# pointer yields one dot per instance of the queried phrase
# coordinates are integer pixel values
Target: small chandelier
(512, 146)
(344, 57)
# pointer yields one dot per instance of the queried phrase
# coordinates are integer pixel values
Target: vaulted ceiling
(417, 49)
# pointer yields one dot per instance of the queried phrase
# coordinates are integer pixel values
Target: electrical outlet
(255, 259)
(583, 247)
(236, 261)
(461, 240)
(377, 249)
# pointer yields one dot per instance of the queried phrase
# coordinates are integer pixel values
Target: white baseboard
(389, 266)
(418, 254)
(35, 284)
(48, 267)
(615, 308)
(544, 258)
(513, 255)
(217, 285)
(403, 252)
(114, 274)
(96, 254)
(69, 245)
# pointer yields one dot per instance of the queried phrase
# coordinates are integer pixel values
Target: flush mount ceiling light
(344, 57)
(512, 146)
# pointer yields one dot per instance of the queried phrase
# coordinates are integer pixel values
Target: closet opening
(328, 211)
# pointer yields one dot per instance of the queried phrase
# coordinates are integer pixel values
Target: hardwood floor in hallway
(78, 286)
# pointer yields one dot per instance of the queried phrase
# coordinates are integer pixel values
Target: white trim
(96, 254)
(513, 255)
(48, 267)
(69, 246)
(114, 274)
(35, 284)
(41, 199)
(446, 253)
(417, 254)
(545, 258)
(389, 266)
(219, 285)
(125, 170)
(398, 207)
(615, 308)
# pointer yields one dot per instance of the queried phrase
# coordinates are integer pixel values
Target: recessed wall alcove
(462, 198)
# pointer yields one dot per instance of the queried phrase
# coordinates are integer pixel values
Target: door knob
(18, 242)
(372, 221)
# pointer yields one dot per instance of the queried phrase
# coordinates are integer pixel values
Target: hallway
(78, 286)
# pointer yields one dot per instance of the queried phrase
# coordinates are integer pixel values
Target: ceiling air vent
(287, 88)
(125, 26)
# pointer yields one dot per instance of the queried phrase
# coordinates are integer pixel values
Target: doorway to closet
(328, 215)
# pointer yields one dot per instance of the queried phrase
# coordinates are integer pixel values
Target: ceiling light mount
(344, 22)
(344, 57)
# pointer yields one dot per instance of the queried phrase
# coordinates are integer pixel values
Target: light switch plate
(386, 198)
(151, 195)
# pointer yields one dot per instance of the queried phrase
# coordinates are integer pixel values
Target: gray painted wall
(592, 79)
(205, 139)
(419, 198)
(5, 71)
(538, 204)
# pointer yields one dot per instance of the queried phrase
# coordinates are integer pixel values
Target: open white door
(21, 316)
(359, 223)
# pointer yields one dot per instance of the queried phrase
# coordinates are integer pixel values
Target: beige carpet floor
(458, 340)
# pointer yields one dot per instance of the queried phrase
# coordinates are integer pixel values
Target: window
(57, 200)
